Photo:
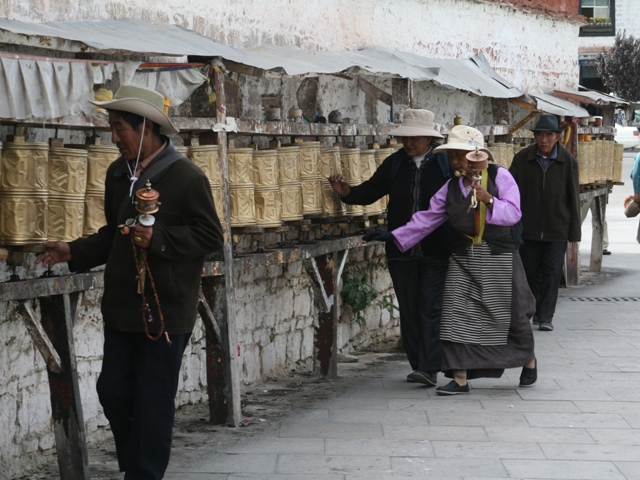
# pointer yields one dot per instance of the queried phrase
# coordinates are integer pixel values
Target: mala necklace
(143, 271)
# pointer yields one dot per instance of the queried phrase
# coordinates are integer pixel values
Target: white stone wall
(276, 316)
(533, 51)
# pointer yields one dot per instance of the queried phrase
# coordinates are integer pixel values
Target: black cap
(546, 123)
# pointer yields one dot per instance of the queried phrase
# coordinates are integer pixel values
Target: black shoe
(429, 379)
(452, 388)
(546, 327)
(606, 252)
(529, 376)
(535, 320)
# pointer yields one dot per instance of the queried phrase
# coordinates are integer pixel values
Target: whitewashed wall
(533, 51)
(275, 305)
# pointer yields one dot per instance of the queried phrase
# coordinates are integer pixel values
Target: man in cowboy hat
(410, 177)
(151, 277)
(547, 175)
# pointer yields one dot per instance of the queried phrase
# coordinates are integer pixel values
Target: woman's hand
(481, 194)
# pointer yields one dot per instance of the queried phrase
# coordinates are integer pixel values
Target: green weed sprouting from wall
(357, 291)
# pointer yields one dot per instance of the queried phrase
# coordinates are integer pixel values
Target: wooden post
(227, 317)
(400, 91)
(598, 215)
(58, 314)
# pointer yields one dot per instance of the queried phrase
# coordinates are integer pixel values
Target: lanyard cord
(132, 173)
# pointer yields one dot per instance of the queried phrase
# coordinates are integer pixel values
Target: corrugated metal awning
(591, 97)
(135, 36)
(557, 106)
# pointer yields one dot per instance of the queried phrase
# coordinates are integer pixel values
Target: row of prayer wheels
(270, 187)
(57, 193)
(599, 161)
(51, 193)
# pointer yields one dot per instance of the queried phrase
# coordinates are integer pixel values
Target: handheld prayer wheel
(290, 184)
(350, 163)
(67, 185)
(266, 188)
(23, 192)
(99, 157)
(147, 203)
(241, 187)
(330, 165)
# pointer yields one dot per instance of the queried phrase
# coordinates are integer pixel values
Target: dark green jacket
(187, 228)
(549, 201)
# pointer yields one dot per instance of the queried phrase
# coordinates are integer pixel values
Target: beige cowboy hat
(144, 102)
(463, 137)
(416, 123)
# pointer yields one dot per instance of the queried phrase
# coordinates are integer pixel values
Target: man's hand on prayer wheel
(55, 252)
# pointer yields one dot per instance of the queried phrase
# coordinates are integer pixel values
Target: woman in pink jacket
(485, 326)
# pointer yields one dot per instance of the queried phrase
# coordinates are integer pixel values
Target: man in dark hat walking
(547, 175)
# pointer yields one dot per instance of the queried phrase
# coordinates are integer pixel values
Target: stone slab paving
(580, 421)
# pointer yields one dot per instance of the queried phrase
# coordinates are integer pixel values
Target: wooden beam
(377, 93)
(230, 341)
(39, 337)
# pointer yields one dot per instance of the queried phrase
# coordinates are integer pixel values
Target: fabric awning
(142, 37)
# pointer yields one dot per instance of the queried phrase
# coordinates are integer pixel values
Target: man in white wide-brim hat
(410, 177)
(151, 278)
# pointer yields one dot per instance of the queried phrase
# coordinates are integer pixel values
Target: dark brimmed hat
(546, 123)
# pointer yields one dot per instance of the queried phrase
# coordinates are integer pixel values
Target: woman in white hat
(410, 177)
(487, 304)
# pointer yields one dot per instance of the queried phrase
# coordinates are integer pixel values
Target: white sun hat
(416, 123)
(144, 102)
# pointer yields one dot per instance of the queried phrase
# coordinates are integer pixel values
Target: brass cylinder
(99, 157)
(267, 200)
(330, 165)
(23, 193)
(242, 202)
(350, 163)
(265, 168)
(240, 165)
(367, 169)
(206, 157)
(289, 170)
(618, 155)
(583, 163)
(309, 158)
(23, 217)
(67, 171)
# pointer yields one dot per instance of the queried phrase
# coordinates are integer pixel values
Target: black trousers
(543, 262)
(137, 389)
(419, 287)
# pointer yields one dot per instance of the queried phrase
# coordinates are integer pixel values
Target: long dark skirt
(470, 354)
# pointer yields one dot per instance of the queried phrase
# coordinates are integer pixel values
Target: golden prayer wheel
(367, 169)
(591, 156)
(206, 158)
(310, 177)
(350, 163)
(265, 168)
(309, 158)
(241, 187)
(330, 165)
(23, 193)
(380, 157)
(99, 157)
(598, 177)
(583, 162)
(618, 155)
(67, 184)
(267, 201)
(291, 205)
(509, 152)
(609, 149)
